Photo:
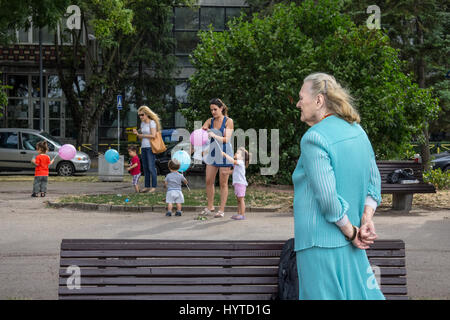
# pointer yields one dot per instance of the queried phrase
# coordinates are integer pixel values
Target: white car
(18, 147)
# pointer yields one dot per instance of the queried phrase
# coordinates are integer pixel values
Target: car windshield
(51, 138)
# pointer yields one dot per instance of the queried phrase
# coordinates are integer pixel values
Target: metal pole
(118, 129)
(41, 85)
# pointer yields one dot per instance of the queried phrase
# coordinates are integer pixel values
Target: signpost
(119, 107)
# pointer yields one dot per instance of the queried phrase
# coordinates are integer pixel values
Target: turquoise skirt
(342, 273)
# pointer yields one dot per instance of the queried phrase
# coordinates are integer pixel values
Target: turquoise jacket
(334, 175)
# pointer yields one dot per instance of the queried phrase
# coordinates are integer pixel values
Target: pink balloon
(67, 152)
(199, 137)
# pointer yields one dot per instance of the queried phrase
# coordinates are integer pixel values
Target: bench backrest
(386, 167)
(202, 270)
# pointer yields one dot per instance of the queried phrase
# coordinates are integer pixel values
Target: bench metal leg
(402, 201)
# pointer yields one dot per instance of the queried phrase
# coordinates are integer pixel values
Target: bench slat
(199, 253)
(86, 281)
(255, 296)
(176, 272)
(126, 244)
(176, 262)
(170, 289)
(169, 246)
(169, 253)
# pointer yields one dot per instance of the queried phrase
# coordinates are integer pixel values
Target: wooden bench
(195, 269)
(402, 194)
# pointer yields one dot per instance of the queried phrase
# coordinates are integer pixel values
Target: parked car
(441, 160)
(18, 147)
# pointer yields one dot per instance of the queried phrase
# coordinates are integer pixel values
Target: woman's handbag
(157, 143)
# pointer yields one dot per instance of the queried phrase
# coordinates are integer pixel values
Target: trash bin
(131, 137)
(110, 171)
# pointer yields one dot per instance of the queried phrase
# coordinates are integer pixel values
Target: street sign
(119, 102)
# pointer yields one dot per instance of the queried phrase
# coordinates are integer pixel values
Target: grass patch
(254, 198)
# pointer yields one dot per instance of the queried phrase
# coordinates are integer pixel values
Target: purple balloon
(199, 137)
(67, 152)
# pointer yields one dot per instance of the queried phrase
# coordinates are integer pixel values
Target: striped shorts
(136, 179)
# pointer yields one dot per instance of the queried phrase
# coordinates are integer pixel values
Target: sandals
(238, 217)
(206, 212)
(219, 214)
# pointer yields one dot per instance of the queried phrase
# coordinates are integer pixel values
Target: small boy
(42, 162)
(173, 184)
(135, 167)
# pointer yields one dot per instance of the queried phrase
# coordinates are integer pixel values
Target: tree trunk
(420, 71)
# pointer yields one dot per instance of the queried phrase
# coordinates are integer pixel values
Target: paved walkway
(30, 236)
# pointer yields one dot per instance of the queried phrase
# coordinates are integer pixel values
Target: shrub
(441, 180)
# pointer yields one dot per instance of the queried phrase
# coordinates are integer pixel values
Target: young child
(134, 167)
(42, 161)
(240, 161)
(173, 184)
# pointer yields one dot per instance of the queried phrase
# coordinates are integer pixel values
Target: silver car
(18, 147)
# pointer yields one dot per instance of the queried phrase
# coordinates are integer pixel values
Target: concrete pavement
(30, 236)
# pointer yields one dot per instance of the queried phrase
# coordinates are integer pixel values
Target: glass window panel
(186, 18)
(9, 140)
(81, 84)
(66, 35)
(35, 86)
(17, 123)
(36, 125)
(232, 13)
(70, 130)
(19, 86)
(183, 61)
(48, 36)
(54, 87)
(37, 108)
(23, 36)
(185, 42)
(54, 128)
(18, 108)
(181, 92)
(54, 109)
(29, 141)
(214, 16)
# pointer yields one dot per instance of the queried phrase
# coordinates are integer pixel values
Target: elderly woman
(336, 192)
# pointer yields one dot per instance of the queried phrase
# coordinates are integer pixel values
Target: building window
(31, 36)
(23, 109)
(212, 16)
(186, 18)
(188, 21)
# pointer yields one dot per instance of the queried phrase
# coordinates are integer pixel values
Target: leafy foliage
(258, 66)
(440, 179)
(3, 98)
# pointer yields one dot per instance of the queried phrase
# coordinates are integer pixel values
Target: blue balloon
(183, 158)
(112, 156)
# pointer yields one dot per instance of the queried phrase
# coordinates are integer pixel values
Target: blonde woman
(150, 124)
(336, 192)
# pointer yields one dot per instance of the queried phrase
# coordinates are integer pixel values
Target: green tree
(3, 98)
(129, 51)
(258, 66)
(419, 29)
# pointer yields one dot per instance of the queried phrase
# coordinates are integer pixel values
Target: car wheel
(446, 168)
(65, 169)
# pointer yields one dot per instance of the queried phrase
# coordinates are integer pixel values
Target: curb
(141, 209)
